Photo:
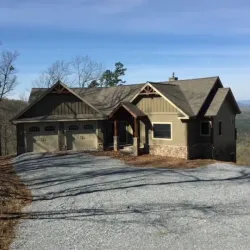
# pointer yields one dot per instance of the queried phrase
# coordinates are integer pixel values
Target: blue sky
(152, 38)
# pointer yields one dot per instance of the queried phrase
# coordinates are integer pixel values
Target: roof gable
(220, 97)
(131, 108)
(165, 91)
(58, 88)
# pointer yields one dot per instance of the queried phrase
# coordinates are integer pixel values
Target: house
(188, 119)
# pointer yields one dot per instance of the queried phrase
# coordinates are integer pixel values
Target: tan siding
(54, 104)
(154, 105)
(179, 130)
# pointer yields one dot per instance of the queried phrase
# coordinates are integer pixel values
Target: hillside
(8, 109)
(244, 103)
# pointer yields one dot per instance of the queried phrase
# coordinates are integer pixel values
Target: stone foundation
(136, 146)
(170, 151)
(116, 143)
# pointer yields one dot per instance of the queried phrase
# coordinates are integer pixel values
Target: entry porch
(133, 116)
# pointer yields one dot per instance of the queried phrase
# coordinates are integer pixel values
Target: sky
(152, 38)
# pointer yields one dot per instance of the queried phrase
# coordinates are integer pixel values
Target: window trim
(219, 122)
(165, 139)
(209, 134)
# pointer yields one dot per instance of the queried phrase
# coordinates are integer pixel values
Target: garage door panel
(81, 139)
(40, 140)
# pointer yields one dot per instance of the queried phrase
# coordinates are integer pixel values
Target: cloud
(201, 17)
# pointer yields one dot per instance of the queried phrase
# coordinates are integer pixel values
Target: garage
(81, 136)
(42, 137)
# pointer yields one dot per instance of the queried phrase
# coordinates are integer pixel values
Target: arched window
(50, 128)
(34, 129)
(73, 127)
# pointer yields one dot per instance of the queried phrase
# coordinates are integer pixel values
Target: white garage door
(81, 136)
(42, 138)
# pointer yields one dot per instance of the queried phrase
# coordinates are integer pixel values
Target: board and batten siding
(160, 110)
(155, 104)
(225, 144)
(59, 104)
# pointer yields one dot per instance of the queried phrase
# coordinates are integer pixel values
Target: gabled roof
(131, 108)
(189, 96)
(175, 95)
(218, 100)
(104, 99)
(44, 93)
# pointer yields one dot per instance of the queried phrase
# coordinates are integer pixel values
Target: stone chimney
(173, 78)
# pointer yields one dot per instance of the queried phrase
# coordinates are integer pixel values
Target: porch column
(136, 139)
(116, 136)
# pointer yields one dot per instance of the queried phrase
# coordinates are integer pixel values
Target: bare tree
(58, 71)
(85, 71)
(8, 78)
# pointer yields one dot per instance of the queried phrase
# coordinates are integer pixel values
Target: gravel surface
(86, 202)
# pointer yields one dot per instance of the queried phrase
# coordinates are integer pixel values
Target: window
(50, 128)
(162, 131)
(220, 128)
(205, 128)
(88, 127)
(73, 127)
(34, 129)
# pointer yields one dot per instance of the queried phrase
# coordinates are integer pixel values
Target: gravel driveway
(86, 202)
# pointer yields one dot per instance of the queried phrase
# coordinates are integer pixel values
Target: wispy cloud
(131, 15)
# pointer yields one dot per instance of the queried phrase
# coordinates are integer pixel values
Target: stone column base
(116, 143)
(136, 146)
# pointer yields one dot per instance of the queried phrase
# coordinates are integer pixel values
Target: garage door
(81, 136)
(42, 138)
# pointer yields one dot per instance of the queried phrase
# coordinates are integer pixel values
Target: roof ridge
(200, 78)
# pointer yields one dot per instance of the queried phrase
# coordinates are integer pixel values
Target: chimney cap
(173, 78)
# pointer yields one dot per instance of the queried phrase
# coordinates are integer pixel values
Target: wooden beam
(115, 128)
(135, 127)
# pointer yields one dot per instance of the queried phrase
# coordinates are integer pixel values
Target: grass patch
(155, 161)
(13, 197)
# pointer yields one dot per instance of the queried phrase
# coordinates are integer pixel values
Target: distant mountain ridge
(244, 103)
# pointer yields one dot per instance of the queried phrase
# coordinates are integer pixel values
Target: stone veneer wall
(170, 151)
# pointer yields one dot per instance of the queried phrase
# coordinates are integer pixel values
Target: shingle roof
(131, 108)
(188, 95)
(104, 99)
(218, 100)
(175, 95)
